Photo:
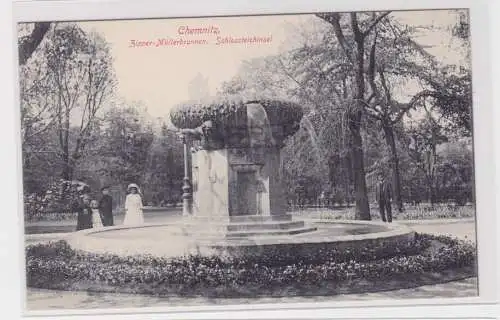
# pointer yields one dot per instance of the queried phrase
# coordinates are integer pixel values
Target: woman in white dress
(133, 206)
(96, 216)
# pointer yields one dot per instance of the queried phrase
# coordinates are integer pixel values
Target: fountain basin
(171, 240)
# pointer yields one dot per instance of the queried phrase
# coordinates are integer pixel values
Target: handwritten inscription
(243, 40)
(200, 35)
(167, 42)
(187, 30)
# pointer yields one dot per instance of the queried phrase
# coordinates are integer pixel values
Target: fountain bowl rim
(83, 240)
(192, 114)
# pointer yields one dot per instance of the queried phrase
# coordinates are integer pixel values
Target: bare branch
(371, 69)
(375, 22)
(334, 20)
(407, 106)
(371, 66)
(370, 110)
(385, 86)
(358, 35)
(371, 97)
(299, 84)
(43, 129)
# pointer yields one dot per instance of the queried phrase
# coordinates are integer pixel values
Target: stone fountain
(233, 201)
(232, 185)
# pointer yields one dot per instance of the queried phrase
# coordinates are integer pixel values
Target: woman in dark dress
(82, 207)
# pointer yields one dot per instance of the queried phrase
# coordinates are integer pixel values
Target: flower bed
(57, 266)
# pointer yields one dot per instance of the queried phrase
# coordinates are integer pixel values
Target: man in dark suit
(106, 207)
(384, 197)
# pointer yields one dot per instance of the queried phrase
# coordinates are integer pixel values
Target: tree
(81, 78)
(38, 111)
(352, 39)
(323, 76)
(422, 149)
(452, 94)
(449, 87)
(456, 172)
(164, 172)
(392, 59)
(390, 50)
(125, 146)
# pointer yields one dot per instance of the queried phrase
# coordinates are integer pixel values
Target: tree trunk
(30, 43)
(348, 179)
(396, 177)
(333, 173)
(360, 192)
(355, 117)
(67, 172)
(431, 161)
(432, 196)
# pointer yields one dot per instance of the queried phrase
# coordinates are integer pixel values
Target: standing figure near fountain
(133, 206)
(106, 207)
(96, 216)
(82, 207)
(384, 196)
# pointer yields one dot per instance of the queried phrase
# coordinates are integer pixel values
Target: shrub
(56, 265)
(55, 203)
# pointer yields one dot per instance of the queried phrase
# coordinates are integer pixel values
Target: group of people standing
(94, 213)
(99, 213)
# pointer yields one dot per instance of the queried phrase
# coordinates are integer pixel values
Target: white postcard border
(483, 131)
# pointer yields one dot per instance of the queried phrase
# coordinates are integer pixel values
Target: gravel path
(49, 299)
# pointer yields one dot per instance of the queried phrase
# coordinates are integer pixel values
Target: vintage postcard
(213, 161)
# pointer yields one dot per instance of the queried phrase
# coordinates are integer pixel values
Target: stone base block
(244, 226)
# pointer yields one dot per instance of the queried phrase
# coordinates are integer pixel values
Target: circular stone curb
(86, 240)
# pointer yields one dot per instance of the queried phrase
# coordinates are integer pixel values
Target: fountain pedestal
(236, 174)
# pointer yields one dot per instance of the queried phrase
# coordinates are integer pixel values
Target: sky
(159, 75)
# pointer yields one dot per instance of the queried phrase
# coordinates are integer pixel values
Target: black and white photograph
(246, 160)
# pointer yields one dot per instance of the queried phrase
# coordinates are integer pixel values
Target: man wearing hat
(106, 207)
(384, 196)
